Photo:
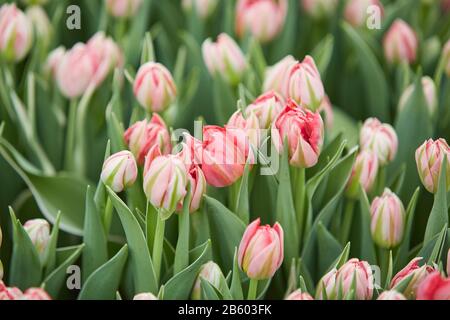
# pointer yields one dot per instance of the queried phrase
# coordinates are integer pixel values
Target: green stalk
(252, 289)
(158, 246)
(299, 201)
(347, 222)
(70, 139)
(107, 216)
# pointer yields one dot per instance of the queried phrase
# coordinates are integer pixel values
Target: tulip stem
(107, 216)
(299, 201)
(348, 219)
(252, 289)
(158, 245)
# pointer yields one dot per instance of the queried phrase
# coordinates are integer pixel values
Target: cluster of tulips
(188, 227)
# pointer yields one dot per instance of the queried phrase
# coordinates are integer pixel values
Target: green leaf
(436, 254)
(182, 250)
(101, 287)
(242, 205)
(345, 125)
(50, 251)
(322, 54)
(236, 286)
(342, 259)
(367, 246)
(389, 271)
(329, 248)
(209, 292)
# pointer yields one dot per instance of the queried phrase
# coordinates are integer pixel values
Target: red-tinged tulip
(447, 56)
(434, 287)
(418, 275)
(225, 153)
(429, 157)
(299, 295)
(364, 173)
(197, 181)
(210, 272)
(266, 107)
(53, 61)
(145, 296)
(203, 8)
(379, 138)
(16, 33)
(361, 272)
(224, 58)
(7, 293)
(119, 171)
(261, 250)
(277, 76)
(429, 89)
(400, 43)
(388, 220)
(144, 135)
(305, 84)
(319, 9)
(191, 152)
(39, 232)
(165, 182)
(304, 132)
(249, 125)
(326, 289)
(35, 294)
(123, 8)
(391, 295)
(154, 87)
(41, 24)
(357, 11)
(263, 19)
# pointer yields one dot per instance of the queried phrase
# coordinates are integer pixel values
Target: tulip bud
(198, 187)
(263, 19)
(42, 26)
(266, 107)
(249, 125)
(276, 77)
(16, 33)
(165, 181)
(39, 232)
(391, 295)
(261, 250)
(35, 294)
(327, 285)
(143, 135)
(400, 43)
(304, 132)
(203, 8)
(210, 272)
(388, 220)
(418, 275)
(319, 9)
(379, 138)
(123, 8)
(224, 58)
(7, 293)
(145, 296)
(119, 171)
(53, 61)
(364, 173)
(361, 272)
(429, 89)
(305, 84)
(429, 157)
(434, 287)
(357, 11)
(447, 56)
(154, 87)
(299, 295)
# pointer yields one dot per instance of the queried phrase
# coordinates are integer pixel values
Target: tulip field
(224, 150)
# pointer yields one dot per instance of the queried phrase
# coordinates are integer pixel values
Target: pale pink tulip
(197, 181)
(145, 296)
(119, 171)
(203, 8)
(357, 11)
(249, 125)
(277, 76)
(54, 60)
(400, 43)
(379, 138)
(362, 273)
(364, 173)
(391, 295)
(210, 272)
(123, 8)
(326, 289)
(41, 24)
(299, 295)
(319, 9)
(266, 107)
(429, 90)
(39, 232)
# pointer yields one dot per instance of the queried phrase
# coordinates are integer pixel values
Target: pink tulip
(319, 9)
(327, 285)
(224, 58)
(35, 294)
(123, 8)
(198, 187)
(429, 89)
(203, 8)
(305, 84)
(16, 33)
(143, 135)
(145, 296)
(356, 11)
(429, 157)
(263, 19)
(154, 87)
(39, 232)
(379, 138)
(210, 272)
(41, 24)
(434, 287)
(304, 132)
(388, 220)
(266, 107)
(7, 293)
(191, 152)
(400, 43)
(276, 77)
(418, 275)
(249, 125)
(391, 295)
(364, 173)
(53, 61)
(261, 250)
(447, 56)
(362, 273)
(119, 171)
(299, 295)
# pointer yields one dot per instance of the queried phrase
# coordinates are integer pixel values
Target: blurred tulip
(53, 61)
(361, 272)
(364, 173)
(39, 232)
(447, 56)
(388, 220)
(417, 273)
(445, 5)
(429, 157)
(7, 293)
(42, 25)
(266, 107)
(276, 77)
(210, 272)
(145, 296)
(400, 43)
(35, 294)
(299, 295)
(357, 11)
(203, 8)
(379, 138)
(224, 58)
(123, 8)
(249, 125)
(434, 287)
(119, 171)
(319, 9)
(429, 89)
(326, 289)
(391, 295)
(154, 87)
(261, 250)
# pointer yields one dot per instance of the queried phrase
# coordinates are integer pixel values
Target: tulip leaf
(367, 246)
(344, 125)
(342, 259)
(389, 271)
(242, 201)
(50, 251)
(236, 286)
(329, 248)
(182, 249)
(209, 292)
(322, 54)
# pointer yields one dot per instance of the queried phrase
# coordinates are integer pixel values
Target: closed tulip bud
(224, 58)
(53, 61)
(249, 125)
(304, 133)
(16, 33)
(143, 135)
(39, 232)
(364, 173)
(357, 11)
(429, 89)
(263, 19)
(198, 187)
(145, 296)
(203, 8)
(434, 287)
(417, 273)
(266, 107)
(305, 84)
(119, 171)
(326, 289)
(299, 295)
(388, 220)
(319, 9)
(210, 272)
(154, 87)
(165, 182)
(35, 294)
(391, 295)
(261, 250)
(447, 56)
(276, 77)
(400, 43)
(379, 138)
(429, 157)
(123, 8)
(359, 271)
(41, 23)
